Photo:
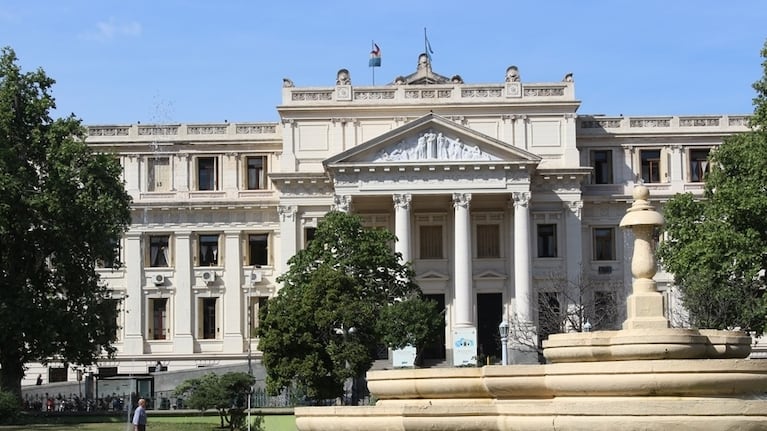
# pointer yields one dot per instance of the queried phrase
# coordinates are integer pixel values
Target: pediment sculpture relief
(432, 146)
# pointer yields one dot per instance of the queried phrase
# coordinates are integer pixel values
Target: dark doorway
(489, 315)
(436, 351)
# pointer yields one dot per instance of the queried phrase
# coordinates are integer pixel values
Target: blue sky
(174, 61)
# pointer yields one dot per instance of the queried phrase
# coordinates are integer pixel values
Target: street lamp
(587, 326)
(346, 332)
(503, 329)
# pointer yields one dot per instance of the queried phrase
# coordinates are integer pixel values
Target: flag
(375, 56)
(427, 45)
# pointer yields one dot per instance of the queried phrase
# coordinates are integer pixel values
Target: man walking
(139, 416)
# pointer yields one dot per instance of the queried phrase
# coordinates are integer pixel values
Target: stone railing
(191, 132)
(596, 125)
(430, 94)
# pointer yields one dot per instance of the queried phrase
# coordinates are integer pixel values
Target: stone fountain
(646, 376)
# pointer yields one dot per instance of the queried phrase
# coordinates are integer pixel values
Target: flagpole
(372, 47)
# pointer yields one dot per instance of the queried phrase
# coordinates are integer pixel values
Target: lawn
(164, 423)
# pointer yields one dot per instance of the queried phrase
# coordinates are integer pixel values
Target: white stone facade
(498, 194)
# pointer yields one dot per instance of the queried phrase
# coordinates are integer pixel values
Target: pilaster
(288, 232)
(134, 299)
(232, 310)
(183, 339)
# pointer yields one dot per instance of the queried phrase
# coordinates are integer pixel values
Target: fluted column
(402, 226)
(462, 250)
(522, 263)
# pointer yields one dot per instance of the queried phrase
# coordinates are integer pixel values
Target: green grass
(162, 423)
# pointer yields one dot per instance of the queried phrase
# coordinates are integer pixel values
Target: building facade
(505, 200)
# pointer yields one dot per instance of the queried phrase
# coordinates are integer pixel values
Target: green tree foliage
(62, 208)
(322, 327)
(717, 246)
(227, 393)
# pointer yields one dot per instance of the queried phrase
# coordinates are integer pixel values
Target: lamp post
(503, 329)
(587, 326)
(345, 332)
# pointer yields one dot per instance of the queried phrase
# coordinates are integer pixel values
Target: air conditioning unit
(255, 277)
(208, 276)
(158, 279)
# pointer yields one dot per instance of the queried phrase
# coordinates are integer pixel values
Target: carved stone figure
(343, 78)
(423, 62)
(512, 74)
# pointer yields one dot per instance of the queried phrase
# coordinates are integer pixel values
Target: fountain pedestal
(645, 377)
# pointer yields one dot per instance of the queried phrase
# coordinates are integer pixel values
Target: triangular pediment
(490, 275)
(432, 139)
(432, 276)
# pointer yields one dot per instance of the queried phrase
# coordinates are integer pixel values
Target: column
(464, 341)
(288, 231)
(232, 300)
(402, 226)
(134, 314)
(183, 336)
(522, 263)
(462, 250)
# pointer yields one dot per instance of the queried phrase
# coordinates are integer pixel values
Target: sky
(176, 61)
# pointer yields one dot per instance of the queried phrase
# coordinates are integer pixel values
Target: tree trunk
(11, 374)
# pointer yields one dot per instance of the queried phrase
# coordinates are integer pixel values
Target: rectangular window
(258, 249)
(309, 233)
(547, 240)
(208, 249)
(208, 318)
(207, 173)
(110, 261)
(57, 374)
(605, 311)
(488, 241)
(550, 318)
(604, 243)
(159, 329)
(258, 305)
(602, 162)
(430, 237)
(256, 173)
(698, 165)
(650, 160)
(159, 251)
(158, 174)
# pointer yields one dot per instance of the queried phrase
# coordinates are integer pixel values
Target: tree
(227, 393)
(321, 329)
(62, 208)
(717, 246)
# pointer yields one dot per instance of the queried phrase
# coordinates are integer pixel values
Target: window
(430, 237)
(207, 320)
(547, 240)
(604, 243)
(258, 249)
(309, 234)
(206, 173)
(257, 305)
(605, 310)
(57, 374)
(159, 251)
(158, 174)
(550, 318)
(650, 160)
(488, 240)
(110, 261)
(158, 328)
(208, 249)
(256, 173)
(698, 165)
(602, 162)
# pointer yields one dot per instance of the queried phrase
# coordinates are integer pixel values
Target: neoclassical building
(505, 200)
